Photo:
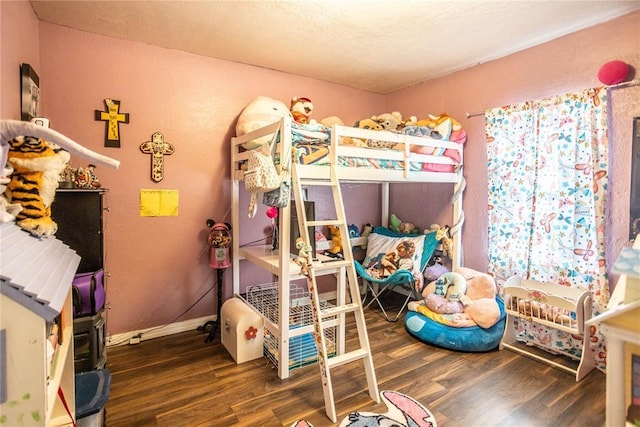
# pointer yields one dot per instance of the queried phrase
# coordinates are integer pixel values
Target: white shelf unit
(280, 304)
(280, 263)
(302, 348)
(35, 284)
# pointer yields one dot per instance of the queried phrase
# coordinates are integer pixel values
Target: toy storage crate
(302, 348)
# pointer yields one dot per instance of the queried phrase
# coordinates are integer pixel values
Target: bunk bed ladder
(323, 317)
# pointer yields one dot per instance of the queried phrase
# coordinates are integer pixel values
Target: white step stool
(242, 332)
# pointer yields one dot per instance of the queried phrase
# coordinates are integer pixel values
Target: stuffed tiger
(37, 165)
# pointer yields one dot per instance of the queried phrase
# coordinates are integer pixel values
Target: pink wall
(563, 65)
(158, 265)
(19, 43)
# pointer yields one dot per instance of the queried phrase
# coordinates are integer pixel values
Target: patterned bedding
(312, 144)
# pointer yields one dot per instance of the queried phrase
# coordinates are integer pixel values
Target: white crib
(554, 306)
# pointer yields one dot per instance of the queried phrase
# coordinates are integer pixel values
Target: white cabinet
(35, 284)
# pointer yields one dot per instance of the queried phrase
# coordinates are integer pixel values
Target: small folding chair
(378, 287)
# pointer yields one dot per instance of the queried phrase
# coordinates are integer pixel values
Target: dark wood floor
(180, 380)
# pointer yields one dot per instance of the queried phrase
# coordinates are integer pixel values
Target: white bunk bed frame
(280, 263)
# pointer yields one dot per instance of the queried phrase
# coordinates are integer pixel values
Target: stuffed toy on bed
(301, 109)
(260, 112)
(389, 121)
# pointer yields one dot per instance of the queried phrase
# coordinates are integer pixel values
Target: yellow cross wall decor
(113, 117)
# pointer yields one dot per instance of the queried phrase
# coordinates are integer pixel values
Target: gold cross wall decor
(113, 117)
(158, 148)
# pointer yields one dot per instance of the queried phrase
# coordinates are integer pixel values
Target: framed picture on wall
(30, 86)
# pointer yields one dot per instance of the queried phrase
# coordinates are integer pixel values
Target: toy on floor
(478, 328)
(480, 306)
(449, 294)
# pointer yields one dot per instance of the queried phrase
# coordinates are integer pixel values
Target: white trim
(158, 331)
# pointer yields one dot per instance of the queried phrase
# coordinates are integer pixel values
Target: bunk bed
(397, 158)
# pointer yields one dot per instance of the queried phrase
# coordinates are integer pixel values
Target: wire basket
(302, 348)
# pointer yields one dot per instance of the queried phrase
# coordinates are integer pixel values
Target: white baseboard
(135, 337)
(157, 332)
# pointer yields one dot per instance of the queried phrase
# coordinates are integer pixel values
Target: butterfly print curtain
(547, 176)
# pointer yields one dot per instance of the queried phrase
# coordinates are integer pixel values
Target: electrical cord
(139, 334)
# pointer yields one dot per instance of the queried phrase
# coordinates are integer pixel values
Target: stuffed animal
(320, 237)
(363, 124)
(39, 157)
(481, 293)
(331, 120)
(8, 211)
(389, 121)
(443, 124)
(411, 121)
(336, 241)
(395, 224)
(37, 165)
(368, 124)
(444, 236)
(353, 231)
(435, 268)
(304, 258)
(479, 301)
(301, 109)
(366, 230)
(451, 286)
(261, 111)
(328, 122)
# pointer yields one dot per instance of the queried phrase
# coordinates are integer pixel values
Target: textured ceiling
(376, 45)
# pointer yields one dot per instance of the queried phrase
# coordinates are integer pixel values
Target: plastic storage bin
(242, 331)
(92, 393)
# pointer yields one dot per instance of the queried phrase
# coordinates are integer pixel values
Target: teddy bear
(389, 121)
(260, 112)
(363, 124)
(368, 124)
(301, 109)
(404, 227)
(328, 122)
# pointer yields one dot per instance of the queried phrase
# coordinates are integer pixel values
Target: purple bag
(88, 293)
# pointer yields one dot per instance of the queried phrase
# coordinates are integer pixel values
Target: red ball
(272, 212)
(613, 72)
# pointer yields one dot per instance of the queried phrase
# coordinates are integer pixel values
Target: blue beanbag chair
(473, 339)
